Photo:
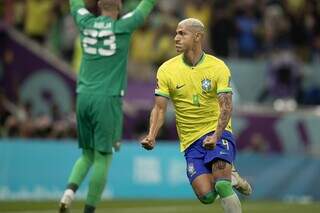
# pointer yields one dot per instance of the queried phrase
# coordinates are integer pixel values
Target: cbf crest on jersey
(206, 85)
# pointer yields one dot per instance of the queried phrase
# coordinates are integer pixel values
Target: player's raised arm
(157, 118)
(79, 12)
(76, 4)
(145, 7)
(134, 19)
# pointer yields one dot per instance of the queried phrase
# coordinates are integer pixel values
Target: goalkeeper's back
(105, 44)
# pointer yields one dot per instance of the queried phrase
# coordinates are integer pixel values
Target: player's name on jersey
(102, 25)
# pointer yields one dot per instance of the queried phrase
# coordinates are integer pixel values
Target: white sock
(231, 204)
(67, 197)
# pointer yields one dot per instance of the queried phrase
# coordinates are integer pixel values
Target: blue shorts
(199, 159)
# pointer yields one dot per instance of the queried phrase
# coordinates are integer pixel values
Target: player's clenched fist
(148, 143)
(210, 142)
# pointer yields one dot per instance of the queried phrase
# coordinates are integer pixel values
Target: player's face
(184, 39)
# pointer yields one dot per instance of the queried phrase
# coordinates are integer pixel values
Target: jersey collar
(198, 63)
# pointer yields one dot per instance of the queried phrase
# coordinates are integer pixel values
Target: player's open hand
(210, 142)
(148, 143)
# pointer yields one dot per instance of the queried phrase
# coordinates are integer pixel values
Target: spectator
(257, 143)
(276, 28)
(222, 29)
(299, 32)
(199, 9)
(247, 25)
(163, 40)
(143, 39)
(284, 78)
(4, 113)
(38, 10)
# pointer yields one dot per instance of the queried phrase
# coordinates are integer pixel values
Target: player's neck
(193, 57)
(112, 14)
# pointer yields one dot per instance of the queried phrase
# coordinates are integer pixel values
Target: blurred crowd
(235, 28)
(16, 120)
(286, 33)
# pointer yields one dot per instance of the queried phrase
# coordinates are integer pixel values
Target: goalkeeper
(101, 84)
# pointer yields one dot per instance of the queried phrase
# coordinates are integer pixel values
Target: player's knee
(224, 188)
(208, 198)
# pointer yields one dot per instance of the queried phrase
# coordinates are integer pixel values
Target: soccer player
(199, 86)
(101, 84)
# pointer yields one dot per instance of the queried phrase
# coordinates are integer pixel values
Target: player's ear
(198, 37)
(201, 36)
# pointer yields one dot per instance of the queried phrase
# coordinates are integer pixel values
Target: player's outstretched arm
(75, 4)
(80, 14)
(156, 121)
(131, 21)
(145, 7)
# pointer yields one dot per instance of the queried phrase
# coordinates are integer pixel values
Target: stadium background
(273, 50)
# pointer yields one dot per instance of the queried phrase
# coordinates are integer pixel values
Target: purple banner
(31, 75)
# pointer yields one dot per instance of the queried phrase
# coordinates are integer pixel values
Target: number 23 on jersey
(91, 45)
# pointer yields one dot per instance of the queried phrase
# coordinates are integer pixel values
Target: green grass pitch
(159, 206)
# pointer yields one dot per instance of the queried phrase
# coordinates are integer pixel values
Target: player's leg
(199, 174)
(82, 165)
(221, 159)
(104, 118)
(222, 178)
(203, 188)
(97, 180)
(78, 173)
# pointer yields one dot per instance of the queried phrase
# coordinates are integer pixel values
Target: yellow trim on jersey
(194, 93)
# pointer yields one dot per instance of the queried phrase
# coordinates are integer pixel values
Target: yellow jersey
(194, 93)
(38, 17)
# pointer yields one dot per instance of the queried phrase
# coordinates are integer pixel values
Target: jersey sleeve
(80, 14)
(224, 80)
(162, 88)
(131, 21)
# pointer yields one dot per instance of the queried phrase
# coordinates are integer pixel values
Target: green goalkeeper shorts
(99, 121)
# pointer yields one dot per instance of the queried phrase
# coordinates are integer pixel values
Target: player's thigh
(221, 169)
(199, 176)
(84, 121)
(106, 121)
(118, 118)
(221, 159)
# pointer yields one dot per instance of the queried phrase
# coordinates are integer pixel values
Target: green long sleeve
(74, 4)
(146, 6)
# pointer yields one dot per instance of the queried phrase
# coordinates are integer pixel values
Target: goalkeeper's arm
(145, 7)
(75, 4)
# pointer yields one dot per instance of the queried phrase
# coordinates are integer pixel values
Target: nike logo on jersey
(180, 86)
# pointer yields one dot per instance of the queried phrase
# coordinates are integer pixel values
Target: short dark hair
(109, 5)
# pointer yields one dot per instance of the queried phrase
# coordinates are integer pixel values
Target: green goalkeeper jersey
(105, 45)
